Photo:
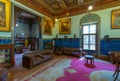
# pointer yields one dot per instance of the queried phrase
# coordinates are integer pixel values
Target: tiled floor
(17, 73)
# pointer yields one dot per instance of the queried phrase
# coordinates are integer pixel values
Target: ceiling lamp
(90, 7)
(56, 19)
(70, 0)
(67, 14)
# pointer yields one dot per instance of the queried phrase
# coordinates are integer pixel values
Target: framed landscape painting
(47, 26)
(116, 19)
(65, 26)
(5, 15)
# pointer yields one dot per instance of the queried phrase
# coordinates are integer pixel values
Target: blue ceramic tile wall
(111, 45)
(46, 40)
(35, 30)
(73, 43)
(23, 30)
(5, 41)
(105, 45)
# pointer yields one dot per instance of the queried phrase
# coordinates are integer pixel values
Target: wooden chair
(3, 74)
(117, 70)
(26, 49)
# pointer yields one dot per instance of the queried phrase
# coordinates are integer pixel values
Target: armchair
(117, 70)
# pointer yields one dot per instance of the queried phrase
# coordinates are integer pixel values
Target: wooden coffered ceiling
(64, 8)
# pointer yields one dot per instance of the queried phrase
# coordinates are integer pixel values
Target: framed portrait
(47, 26)
(5, 15)
(115, 19)
(65, 26)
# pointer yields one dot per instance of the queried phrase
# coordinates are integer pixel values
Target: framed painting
(47, 26)
(5, 15)
(65, 26)
(115, 19)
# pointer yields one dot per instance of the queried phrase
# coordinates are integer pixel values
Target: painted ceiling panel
(59, 8)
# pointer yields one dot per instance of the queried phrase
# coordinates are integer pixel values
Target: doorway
(26, 30)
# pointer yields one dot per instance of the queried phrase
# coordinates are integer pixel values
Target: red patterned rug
(71, 69)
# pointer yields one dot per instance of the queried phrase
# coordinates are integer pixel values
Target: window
(89, 36)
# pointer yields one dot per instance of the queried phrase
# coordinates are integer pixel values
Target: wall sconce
(56, 36)
(106, 37)
(74, 35)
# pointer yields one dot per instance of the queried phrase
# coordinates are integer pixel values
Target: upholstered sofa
(33, 58)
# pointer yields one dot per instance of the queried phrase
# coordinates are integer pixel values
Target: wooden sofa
(33, 58)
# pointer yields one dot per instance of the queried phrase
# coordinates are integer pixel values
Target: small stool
(89, 57)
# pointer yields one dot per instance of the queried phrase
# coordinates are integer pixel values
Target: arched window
(90, 32)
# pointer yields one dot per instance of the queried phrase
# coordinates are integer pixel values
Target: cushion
(36, 58)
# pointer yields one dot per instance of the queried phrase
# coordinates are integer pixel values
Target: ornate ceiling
(63, 8)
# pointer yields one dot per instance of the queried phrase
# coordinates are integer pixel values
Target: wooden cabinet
(48, 45)
(18, 49)
(34, 42)
(20, 41)
(7, 55)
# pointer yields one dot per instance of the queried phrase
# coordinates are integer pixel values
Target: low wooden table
(89, 57)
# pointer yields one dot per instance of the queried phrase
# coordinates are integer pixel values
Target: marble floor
(17, 73)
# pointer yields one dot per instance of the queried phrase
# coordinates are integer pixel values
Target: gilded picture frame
(5, 10)
(65, 26)
(116, 19)
(47, 26)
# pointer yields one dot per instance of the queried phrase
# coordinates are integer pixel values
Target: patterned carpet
(72, 69)
(51, 72)
(102, 75)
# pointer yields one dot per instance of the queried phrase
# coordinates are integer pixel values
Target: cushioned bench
(69, 51)
(33, 58)
(73, 51)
